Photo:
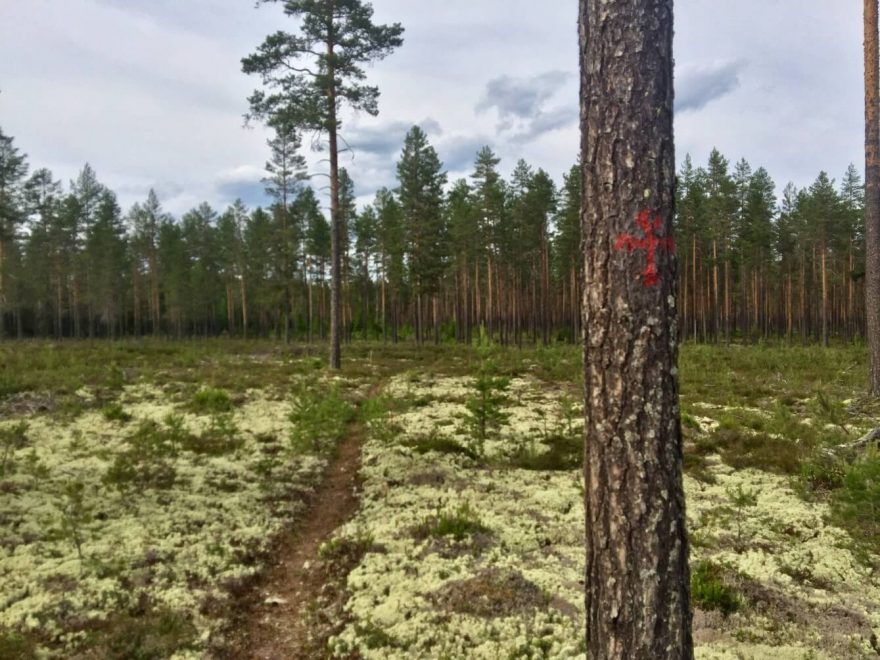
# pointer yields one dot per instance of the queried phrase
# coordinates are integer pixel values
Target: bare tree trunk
(244, 309)
(335, 224)
(824, 296)
(715, 295)
(694, 277)
(872, 195)
(637, 578)
(311, 310)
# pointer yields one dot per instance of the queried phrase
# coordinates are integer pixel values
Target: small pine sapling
(11, 439)
(76, 513)
(741, 500)
(485, 409)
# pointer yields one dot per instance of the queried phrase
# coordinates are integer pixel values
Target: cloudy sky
(151, 94)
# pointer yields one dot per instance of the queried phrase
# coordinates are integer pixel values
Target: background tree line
(430, 260)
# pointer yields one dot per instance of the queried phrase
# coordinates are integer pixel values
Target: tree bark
(824, 296)
(335, 224)
(637, 579)
(872, 195)
(244, 308)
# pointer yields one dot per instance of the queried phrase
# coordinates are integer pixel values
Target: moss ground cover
(127, 529)
(778, 571)
(142, 482)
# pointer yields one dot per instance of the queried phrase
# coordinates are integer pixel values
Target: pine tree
(391, 234)
(286, 168)
(721, 202)
(44, 252)
(199, 227)
(146, 220)
(87, 192)
(637, 595)
(756, 241)
(175, 273)
(105, 255)
(851, 240)
(13, 170)
(233, 264)
(421, 179)
(462, 222)
(318, 247)
(308, 76)
(260, 242)
(365, 244)
(347, 214)
(568, 263)
(824, 217)
(490, 203)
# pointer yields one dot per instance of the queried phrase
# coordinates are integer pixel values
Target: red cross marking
(649, 243)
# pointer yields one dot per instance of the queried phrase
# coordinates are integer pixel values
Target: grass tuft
(211, 400)
(458, 525)
(710, 591)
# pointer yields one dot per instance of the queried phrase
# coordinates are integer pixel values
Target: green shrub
(561, 452)
(374, 637)
(828, 410)
(457, 524)
(695, 465)
(822, 474)
(12, 438)
(116, 413)
(154, 635)
(211, 400)
(856, 504)
(319, 415)
(689, 421)
(441, 444)
(346, 550)
(709, 591)
(16, 646)
(741, 448)
(144, 462)
(220, 437)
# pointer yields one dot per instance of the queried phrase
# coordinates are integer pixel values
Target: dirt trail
(279, 624)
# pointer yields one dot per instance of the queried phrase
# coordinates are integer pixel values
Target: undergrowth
(319, 415)
(711, 591)
(457, 524)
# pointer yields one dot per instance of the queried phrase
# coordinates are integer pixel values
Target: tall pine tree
(307, 76)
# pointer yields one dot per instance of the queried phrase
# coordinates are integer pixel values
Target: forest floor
(235, 499)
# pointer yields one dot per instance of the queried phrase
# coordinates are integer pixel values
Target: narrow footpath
(299, 602)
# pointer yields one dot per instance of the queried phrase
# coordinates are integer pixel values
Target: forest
(627, 411)
(428, 261)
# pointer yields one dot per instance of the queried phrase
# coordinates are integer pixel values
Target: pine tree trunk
(244, 309)
(335, 223)
(727, 305)
(872, 195)
(716, 298)
(824, 296)
(637, 579)
(311, 309)
(694, 277)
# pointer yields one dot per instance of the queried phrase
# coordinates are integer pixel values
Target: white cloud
(150, 93)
